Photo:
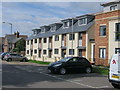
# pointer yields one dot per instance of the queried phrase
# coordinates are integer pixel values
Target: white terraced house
(70, 37)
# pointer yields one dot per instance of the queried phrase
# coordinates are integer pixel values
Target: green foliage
(15, 50)
(39, 62)
(100, 70)
(20, 45)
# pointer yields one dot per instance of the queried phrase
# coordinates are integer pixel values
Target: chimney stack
(17, 34)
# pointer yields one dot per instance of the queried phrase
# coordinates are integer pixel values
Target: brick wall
(84, 43)
(102, 41)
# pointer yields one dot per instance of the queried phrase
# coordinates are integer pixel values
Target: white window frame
(80, 20)
(102, 53)
(67, 25)
(43, 30)
(113, 7)
(51, 29)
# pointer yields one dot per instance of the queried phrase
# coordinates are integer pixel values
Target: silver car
(15, 57)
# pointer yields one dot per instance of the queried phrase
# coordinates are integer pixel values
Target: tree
(20, 45)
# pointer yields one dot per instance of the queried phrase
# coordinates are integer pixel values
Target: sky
(26, 16)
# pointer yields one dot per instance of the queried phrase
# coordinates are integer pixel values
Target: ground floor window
(27, 51)
(71, 51)
(102, 53)
(44, 51)
(35, 51)
(117, 50)
(56, 51)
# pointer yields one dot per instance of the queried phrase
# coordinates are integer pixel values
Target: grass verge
(96, 69)
(99, 70)
(39, 62)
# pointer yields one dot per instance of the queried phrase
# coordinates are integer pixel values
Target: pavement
(32, 75)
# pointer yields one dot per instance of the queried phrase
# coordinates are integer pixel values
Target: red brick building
(102, 31)
(11, 39)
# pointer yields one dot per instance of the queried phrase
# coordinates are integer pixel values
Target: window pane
(102, 30)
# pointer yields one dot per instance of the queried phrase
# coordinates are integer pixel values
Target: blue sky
(25, 16)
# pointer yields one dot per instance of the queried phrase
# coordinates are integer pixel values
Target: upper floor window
(28, 42)
(66, 24)
(80, 36)
(56, 37)
(45, 40)
(103, 30)
(72, 36)
(117, 32)
(83, 21)
(35, 40)
(114, 7)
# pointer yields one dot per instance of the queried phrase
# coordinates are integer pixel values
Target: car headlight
(57, 65)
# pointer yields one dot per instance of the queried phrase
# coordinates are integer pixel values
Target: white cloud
(58, 4)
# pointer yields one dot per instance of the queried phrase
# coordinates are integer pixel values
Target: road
(30, 75)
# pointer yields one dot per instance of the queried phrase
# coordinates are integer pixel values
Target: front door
(50, 53)
(63, 53)
(80, 52)
(92, 53)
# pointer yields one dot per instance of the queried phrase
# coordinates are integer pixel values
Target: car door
(81, 63)
(13, 57)
(18, 57)
(71, 64)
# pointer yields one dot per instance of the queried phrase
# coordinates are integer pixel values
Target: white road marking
(74, 82)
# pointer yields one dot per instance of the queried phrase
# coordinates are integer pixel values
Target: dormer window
(52, 28)
(114, 7)
(83, 21)
(34, 32)
(43, 30)
(66, 24)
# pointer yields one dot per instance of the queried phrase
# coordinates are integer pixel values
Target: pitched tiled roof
(11, 38)
(61, 30)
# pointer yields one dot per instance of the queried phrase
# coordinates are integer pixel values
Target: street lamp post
(10, 25)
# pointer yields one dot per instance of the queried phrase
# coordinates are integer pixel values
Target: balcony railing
(31, 46)
(50, 45)
(80, 43)
(63, 43)
(40, 45)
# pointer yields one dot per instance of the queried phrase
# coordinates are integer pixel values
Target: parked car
(15, 57)
(114, 71)
(2, 55)
(70, 64)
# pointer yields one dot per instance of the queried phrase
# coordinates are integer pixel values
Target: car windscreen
(65, 59)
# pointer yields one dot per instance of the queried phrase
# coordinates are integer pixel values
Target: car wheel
(62, 71)
(9, 59)
(116, 85)
(88, 70)
(24, 60)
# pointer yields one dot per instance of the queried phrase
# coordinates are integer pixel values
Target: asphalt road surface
(30, 75)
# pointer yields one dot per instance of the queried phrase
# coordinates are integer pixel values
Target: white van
(114, 71)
